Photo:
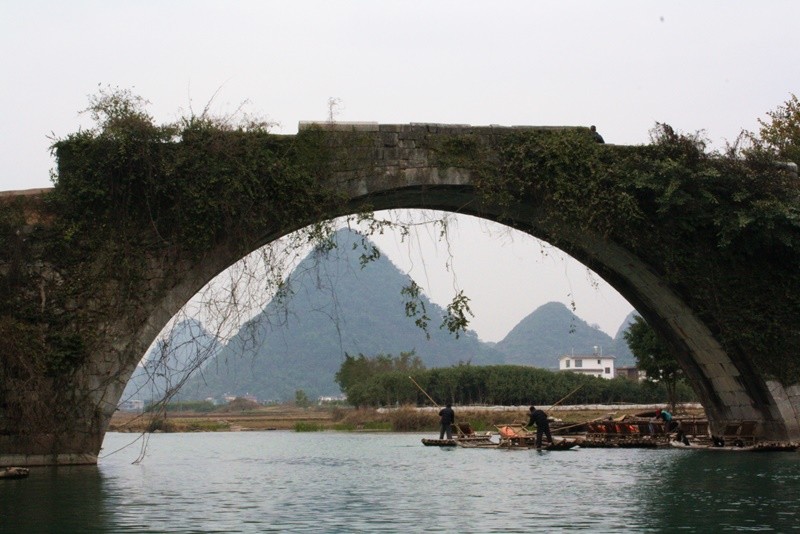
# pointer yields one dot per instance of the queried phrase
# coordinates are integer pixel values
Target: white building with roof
(588, 364)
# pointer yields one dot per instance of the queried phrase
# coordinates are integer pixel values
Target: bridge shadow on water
(56, 499)
(716, 491)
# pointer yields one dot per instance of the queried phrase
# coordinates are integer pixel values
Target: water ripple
(338, 482)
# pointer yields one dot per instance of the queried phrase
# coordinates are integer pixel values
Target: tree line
(385, 380)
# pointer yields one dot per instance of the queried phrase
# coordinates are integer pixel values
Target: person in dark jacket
(446, 419)
(539, 418)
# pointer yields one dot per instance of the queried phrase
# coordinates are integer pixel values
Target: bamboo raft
(764, 446)
(625, 432)
(645, 433)
(637, 432)
(465, 436)
(632, 432)
(14, 472)
(466, 441)
(510, 437)
(738, 437)
(516, 436)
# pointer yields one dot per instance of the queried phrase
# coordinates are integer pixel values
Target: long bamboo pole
(566, 397)
(562, 400)
(576, 424)
(458, 429)
(425, 392)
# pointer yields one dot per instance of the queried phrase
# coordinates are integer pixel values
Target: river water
(384, 482)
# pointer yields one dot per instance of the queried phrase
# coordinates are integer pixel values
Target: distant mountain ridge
(551, 331)
(336, 307)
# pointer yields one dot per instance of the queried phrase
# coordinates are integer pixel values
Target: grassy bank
(290, 417)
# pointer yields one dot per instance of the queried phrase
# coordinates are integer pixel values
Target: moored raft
(515, 436)
(640, 432)
(14, 472)
(432, 442)
(564, 443)
(467, 441)
(465, 436)
(737, 436)
(761, 446)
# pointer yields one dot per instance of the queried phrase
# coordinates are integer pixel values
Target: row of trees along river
(385, 380)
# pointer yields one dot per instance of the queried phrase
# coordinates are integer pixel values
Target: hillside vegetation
(335, 307)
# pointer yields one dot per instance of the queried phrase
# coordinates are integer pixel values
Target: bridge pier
(59, 424)
(33, 460)
(787, 411)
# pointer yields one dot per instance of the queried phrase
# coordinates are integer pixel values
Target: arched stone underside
(730, 391)
(401, 173)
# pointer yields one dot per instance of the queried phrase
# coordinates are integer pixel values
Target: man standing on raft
(539, 418)
(448, 417)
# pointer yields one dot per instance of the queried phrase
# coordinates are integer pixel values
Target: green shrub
(303, 426)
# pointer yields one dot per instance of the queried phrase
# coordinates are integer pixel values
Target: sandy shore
(290, 417)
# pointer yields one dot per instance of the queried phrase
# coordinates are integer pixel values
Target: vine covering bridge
(705, 247)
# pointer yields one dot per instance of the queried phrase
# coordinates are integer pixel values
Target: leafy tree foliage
(371, 382)
(780, 134)
(364, 379)
(301, 399)
(653, 358)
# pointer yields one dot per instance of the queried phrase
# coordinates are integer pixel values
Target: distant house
(329, 400)
(132, 405)
(588, 364)
(631, 373)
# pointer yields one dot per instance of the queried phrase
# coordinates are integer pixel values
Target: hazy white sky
(506, 274)
(709, 65)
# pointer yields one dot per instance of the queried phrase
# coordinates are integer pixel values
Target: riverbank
(401, 419)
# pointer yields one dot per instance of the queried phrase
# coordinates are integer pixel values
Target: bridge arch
(450, 168)
(729, 390)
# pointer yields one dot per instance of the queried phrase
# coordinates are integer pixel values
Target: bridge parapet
(387, 156)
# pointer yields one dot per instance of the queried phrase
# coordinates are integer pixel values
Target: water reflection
(705, 491)
(330, 482)
(71, 498)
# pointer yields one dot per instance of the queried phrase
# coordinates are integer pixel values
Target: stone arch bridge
(704, 247)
